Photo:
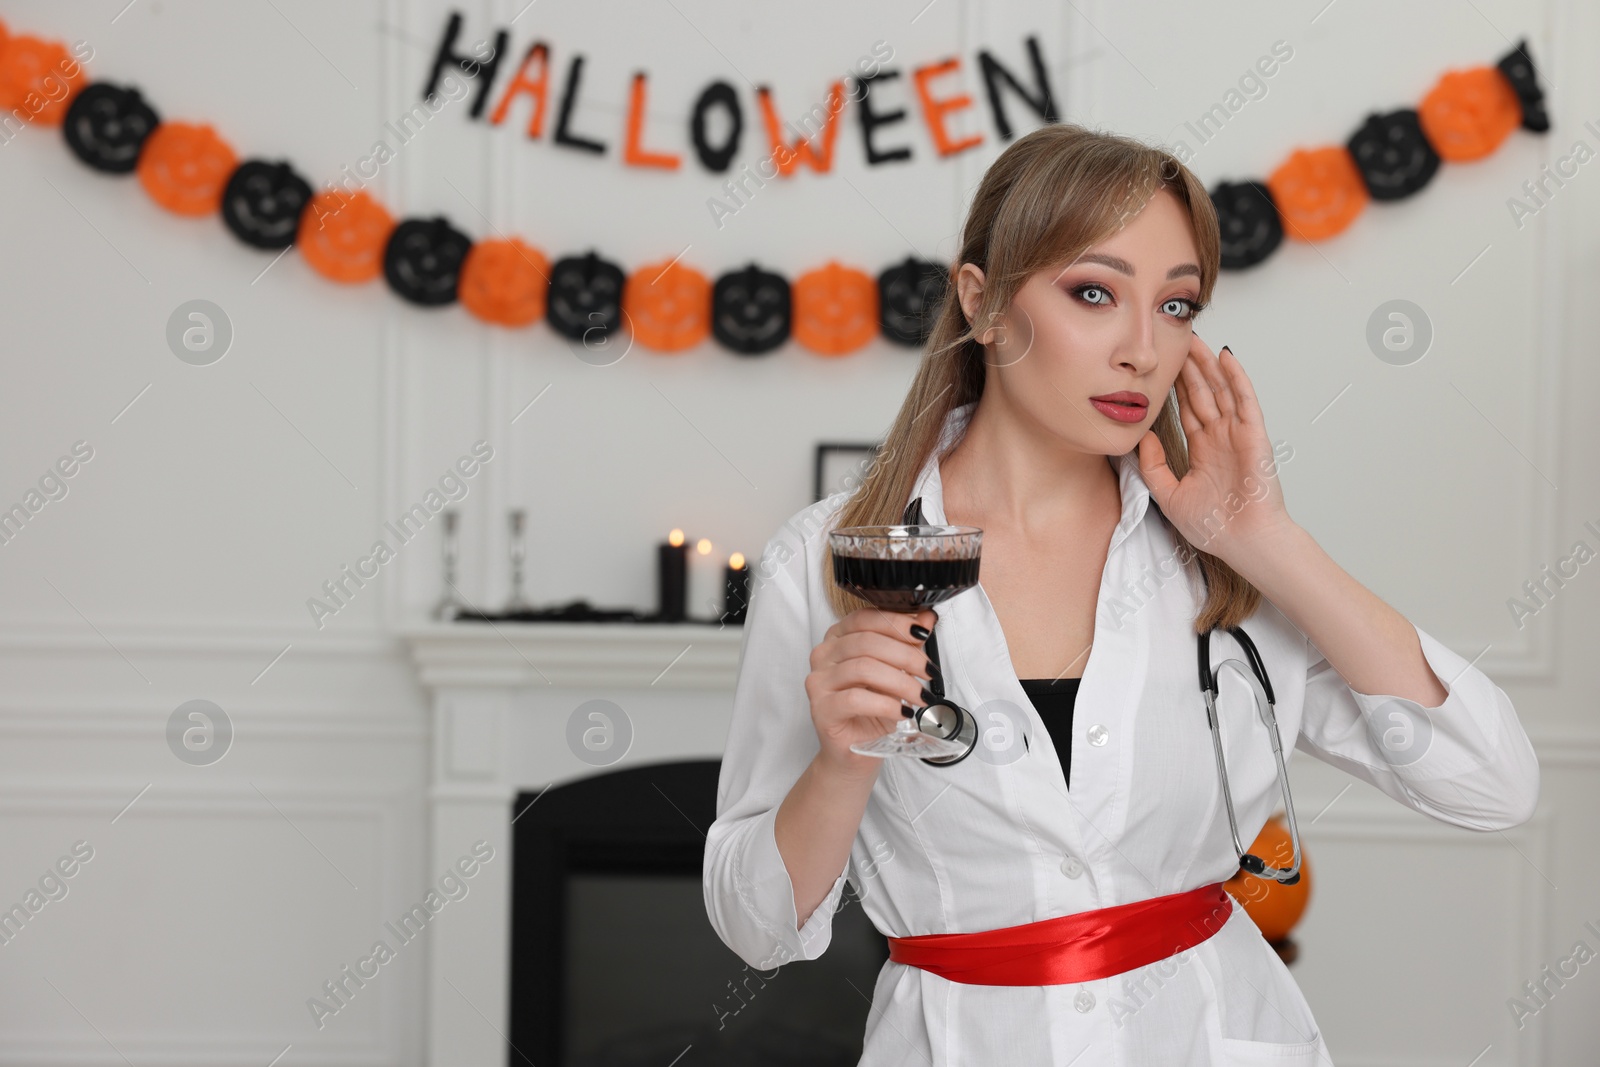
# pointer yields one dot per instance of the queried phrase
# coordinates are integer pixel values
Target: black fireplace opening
(614, 962)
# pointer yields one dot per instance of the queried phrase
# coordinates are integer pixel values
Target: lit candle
(672, 575)
(736, 590)
(705, 581)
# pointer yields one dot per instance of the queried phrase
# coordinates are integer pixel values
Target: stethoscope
(944, 718)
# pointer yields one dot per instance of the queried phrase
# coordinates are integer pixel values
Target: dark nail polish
(934, 671)
(907, 710)
(921, 633)
(927, 696)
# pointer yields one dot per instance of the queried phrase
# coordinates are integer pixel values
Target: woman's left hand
(1229, 500)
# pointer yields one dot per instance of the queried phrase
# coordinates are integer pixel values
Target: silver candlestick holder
(449, 601)
(519, 556)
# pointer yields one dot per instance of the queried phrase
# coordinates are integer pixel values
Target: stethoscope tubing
(1261, 689)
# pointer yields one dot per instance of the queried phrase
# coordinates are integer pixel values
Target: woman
(1047, 410)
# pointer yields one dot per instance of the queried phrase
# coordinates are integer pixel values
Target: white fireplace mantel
(502, 695)
(576, 655)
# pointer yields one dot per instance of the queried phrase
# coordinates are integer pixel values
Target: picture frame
(841, 465)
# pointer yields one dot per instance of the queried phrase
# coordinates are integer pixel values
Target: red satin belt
(1072, 948)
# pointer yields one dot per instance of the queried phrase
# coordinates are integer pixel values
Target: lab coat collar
(1136, 497)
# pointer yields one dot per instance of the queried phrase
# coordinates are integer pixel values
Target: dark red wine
(904, 584)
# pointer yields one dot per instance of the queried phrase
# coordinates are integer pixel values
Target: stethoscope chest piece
(946, 719)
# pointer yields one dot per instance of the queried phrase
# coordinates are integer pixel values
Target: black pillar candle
(737, 595)
(673, 576)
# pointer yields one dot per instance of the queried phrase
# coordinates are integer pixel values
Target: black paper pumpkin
(1392, 154)
(751, 311)
(422, 261)
(262, 203)
(106, 126)
(585, 297)
(1518, 68)
(909, 296)
(1247, 221)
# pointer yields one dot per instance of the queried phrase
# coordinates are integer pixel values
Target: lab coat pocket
(1237, 1053)
(1259, 1014)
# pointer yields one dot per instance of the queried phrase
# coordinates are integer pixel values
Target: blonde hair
(1048, 198)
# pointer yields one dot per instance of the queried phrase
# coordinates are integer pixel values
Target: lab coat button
(1071, 867)
(1084, 1001)
(1098, 735)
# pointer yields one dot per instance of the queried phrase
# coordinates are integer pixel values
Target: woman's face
(1115, 321)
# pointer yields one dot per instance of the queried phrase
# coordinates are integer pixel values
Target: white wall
(179, 565)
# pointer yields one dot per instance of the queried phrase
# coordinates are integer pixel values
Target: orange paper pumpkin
(1274, 907)
(343, 235)
(835, 309)
(668, 306)
(1319, 192)
(1469, 112)
(184, 167)
(504, 281)
(37, 79)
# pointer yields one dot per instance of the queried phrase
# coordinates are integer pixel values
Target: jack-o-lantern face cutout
(1469, 112)
(505, 281)
(1394, 158)
(585, 298)
(185, 167)
(422, 262)
(668, 306)
(835, 309)
(343, 235)
(106, 126)
(262, 203)
(1319, 192)
(38, 79)
(750, 310)
(1247, 222)
(909, 296)
(1517, 66)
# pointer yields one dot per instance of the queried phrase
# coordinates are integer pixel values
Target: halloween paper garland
(670, 306)
(1317, 193)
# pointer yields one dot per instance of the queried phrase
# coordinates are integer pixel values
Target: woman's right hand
(868, 665)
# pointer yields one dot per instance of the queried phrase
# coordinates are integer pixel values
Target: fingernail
(907, 710)
(927, 696)
(933, 669)
(921, 633)
(1228, 350)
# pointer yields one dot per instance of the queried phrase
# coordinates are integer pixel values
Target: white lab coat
(998, 840)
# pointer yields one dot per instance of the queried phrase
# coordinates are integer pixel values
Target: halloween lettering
(882, 99)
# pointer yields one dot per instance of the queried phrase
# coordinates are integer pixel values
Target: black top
(1054, 698)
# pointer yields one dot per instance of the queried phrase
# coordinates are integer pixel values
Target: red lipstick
(1123, 405)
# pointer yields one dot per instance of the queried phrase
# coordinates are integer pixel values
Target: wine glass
(905, 569)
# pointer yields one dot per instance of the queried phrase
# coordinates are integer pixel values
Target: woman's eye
(1184, 307)
(1082, 289)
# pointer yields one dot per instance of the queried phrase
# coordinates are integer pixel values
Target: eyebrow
(1117, 263)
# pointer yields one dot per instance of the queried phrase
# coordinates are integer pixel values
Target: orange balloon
(1274, 907)
(668, 306)
(184, 167)
(342, 235)
(835, 309)
(1468, 113)
(505, 281)
(1319, 192)
(37, 79)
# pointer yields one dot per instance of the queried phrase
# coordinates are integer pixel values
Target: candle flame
(675, 538)
(736, 561)
(704, 547)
